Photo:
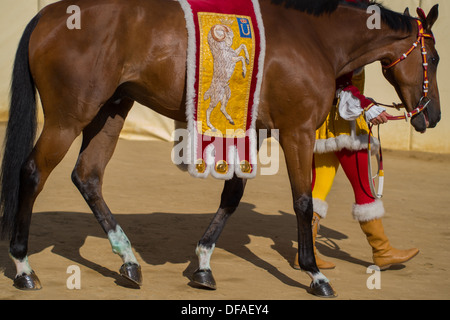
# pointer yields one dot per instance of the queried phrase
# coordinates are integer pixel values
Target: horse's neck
(362, 46)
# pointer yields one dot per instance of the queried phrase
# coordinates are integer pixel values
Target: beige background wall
(143, 123)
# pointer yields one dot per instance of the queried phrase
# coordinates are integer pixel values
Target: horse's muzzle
(428, 118)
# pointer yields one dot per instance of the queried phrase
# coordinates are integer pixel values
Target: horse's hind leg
(99, 141)
(49, 150)
(231, 196)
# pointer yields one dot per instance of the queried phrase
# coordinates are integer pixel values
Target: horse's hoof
(27, 282)
(205, 279)
(132, 271)
(231, 122)
(323, 290)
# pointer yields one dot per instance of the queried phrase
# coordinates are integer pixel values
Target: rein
(407, 115)
(421, 106)
(380, 172)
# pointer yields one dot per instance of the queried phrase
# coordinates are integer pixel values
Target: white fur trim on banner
(262, 56)
(191, 68)
(320, 207)
(368, 212)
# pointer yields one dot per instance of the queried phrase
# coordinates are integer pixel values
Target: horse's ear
(406, 13)
(422, 15)
(432, 16)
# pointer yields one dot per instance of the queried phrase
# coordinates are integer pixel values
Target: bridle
(424, 100)
(421, 106)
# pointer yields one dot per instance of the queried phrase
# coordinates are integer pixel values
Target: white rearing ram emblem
(220, 39)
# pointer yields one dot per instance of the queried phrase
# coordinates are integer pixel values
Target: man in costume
(343, 140)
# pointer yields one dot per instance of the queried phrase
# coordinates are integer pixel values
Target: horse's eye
(434, 60)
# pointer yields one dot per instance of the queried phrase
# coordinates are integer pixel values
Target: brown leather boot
(384, 255)
(321, 264)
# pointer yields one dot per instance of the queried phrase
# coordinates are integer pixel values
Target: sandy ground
(165, 211)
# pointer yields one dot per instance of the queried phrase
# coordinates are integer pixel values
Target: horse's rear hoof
(132, 272)
(323, 290)
(27, 282)
(205, 279)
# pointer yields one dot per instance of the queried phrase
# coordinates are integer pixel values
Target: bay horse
(135, 50)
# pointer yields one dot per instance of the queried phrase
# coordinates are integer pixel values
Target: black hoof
(27, 282)
(323, 290)
(132, 271)
(205, 279)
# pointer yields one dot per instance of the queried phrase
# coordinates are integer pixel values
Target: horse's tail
(20, 132)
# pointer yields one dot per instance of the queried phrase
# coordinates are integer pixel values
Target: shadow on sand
(160, 238)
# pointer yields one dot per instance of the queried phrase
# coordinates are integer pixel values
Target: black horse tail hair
(20, 131)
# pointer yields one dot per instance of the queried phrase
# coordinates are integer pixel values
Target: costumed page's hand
(381, 118)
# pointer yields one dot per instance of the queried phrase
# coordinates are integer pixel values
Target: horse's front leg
(298, 149)
(231, 196)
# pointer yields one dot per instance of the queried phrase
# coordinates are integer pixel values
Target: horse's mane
(394, 20)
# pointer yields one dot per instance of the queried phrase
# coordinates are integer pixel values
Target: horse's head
(415, 77)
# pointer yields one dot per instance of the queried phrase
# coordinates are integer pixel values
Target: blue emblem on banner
(244, 28)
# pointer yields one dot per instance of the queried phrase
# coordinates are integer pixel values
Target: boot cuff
(320, 207)
(367, 212)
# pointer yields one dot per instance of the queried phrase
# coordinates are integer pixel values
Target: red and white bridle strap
(421, 35)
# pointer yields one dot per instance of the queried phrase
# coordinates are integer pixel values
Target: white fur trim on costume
(320, 207)
(367, 212)
(345, 141)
